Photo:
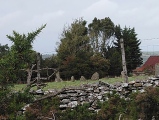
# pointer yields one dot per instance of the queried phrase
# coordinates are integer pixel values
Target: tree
(100, 33)
(20, 56)
(114, 57)
(131, 45)
(99, 64)
(4, 49)
(73, 39)
(73, 48)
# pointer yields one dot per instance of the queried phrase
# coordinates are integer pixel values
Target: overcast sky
(27, 15)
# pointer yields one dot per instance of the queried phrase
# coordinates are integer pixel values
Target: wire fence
(147, 46)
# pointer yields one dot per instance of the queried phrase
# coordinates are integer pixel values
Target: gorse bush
(12, 102)
(148, 104)
(79, 113)
(42, 109)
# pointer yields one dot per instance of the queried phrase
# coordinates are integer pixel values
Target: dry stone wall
(92, 93)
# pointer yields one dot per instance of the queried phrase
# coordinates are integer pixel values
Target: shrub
(12, 102)
(81, 112)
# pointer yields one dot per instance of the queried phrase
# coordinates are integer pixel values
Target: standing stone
(82, 78)
(95, 76)
(72, 78)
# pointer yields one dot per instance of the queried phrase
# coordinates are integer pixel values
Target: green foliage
(76, 66)
(12, 61)
(73, 39)
(148, 104)
(99, 64)
(100, 32)
(21, 50)
(143, 106)
(20, 56)
(12, 102)
(111, 109)
(79, 113)
(131, 44)
(114, 57)
(4, 49)
(75, 52)
(42, 109)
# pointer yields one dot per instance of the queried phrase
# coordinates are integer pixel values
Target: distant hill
(46, 56)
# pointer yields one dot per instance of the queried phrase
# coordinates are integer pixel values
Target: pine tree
(131, 45)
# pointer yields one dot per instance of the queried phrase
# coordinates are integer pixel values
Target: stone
(131, 82)
(138, 84)
(99, 97)
(142, 91)
(63, 106)
(89, 89)
(90, 98)
(40, 92)
(147, 85)
(73, 98)
(82, 94)
(124, 85)
(96, 91)
(82, 78)
(72, 78)
(119, 89)
(156, 83)
(104, 84)
(95, 76)
(154, 79)
(82, 98)
(72, 94)
(72, 104)
(65, 101)
(61, 96)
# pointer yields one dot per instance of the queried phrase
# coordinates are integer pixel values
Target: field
(66, 84)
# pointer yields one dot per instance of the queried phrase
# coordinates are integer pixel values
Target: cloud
(100, 9)
(25, 16)
(45, 18)
(9, 18)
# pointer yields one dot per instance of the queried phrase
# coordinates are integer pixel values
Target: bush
(42, 109)
(81, 112)
(12, 102)
(148, 104)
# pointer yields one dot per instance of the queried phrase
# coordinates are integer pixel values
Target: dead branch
(50, 95)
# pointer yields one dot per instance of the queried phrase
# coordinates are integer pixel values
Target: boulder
(95, 76)
(82, 78)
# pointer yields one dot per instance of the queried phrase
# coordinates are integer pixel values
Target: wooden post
(123, 60)
(38, 68)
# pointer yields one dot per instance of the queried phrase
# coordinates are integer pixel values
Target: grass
(60, 85)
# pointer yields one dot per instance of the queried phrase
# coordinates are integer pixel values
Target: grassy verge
(60, 85)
